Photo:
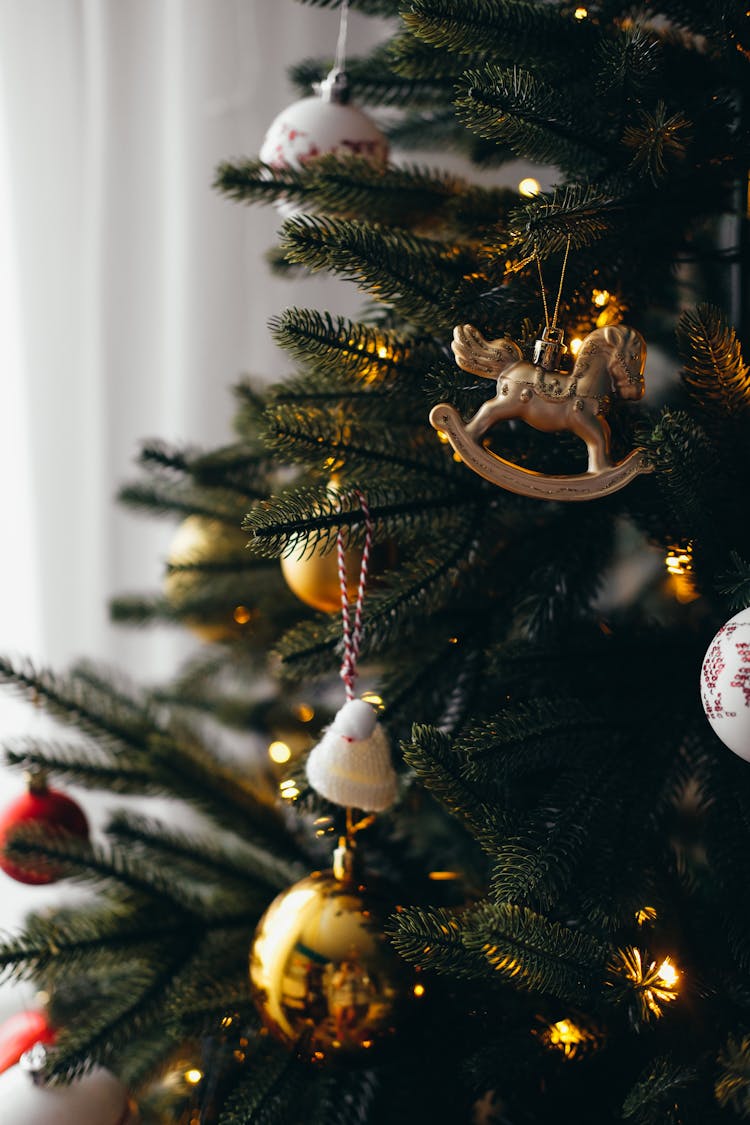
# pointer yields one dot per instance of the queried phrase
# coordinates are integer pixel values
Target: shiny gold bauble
(199, 539)
(325, 979)
(314, 578)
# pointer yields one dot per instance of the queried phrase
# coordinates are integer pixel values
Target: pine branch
(313, 516)
(438, 766)
(535, 954)
(438, 572)
(101, 714)
(536, 866)
(201, 857)
(274, 1085)
(732, 1088)
(505, 943)
(363, 352)
(628, 65)
(714, 372)
(735, 583)
(163, 497)
(656, 1097)
(78, 939)
(83, 765)
(88, 863)
(505, 29)
(345, 1099)
(433, 938)
(427, 282)
(375, 82)
(240, 467)
(583, 213)
(538, 121)
(120, 1021)
(357, 405)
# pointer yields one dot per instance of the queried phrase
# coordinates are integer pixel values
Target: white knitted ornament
(351, 765)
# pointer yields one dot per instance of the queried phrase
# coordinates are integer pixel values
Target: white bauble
(97, 1098)
(317, 125)
(725, 684)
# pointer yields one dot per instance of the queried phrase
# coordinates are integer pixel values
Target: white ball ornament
(322, 123)
(97, 1098)
(725, 684)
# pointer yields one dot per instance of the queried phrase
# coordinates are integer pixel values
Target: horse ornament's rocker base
(609, 364)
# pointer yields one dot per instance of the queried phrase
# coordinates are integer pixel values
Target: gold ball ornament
(199, 539)
(314, 578)
(325, 979)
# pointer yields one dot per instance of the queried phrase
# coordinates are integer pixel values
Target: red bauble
(19, 1033)
(46, 807)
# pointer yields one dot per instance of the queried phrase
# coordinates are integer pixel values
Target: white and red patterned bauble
(97, 1098)
(725, 684)
(323, 123)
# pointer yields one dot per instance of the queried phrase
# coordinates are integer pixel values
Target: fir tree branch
(273, 1085)
(82, 765)
(438, 766)
(535, 954)
(375, 82)
(583, 213)
(504, 29)
(536, 120)
(430, 283)
(656, 1096)
(313, 516)
(202, 857)
(363, 351)
(714, 372)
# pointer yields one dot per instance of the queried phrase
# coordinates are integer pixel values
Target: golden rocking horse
(610, 363)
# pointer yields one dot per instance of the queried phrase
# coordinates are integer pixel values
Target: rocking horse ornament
(610, 363)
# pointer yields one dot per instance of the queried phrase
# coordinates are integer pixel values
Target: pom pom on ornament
(49, 809)
(725, 684)
(322, 123)
(97, 1098)
(351, 765)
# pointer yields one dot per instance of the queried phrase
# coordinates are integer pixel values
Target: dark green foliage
(375, 81)
(655, 1099)
(502, 28)
(733, 1081)
(565, 819)
(536, 120)
(353, 187)
(714, 371)
(429, 283)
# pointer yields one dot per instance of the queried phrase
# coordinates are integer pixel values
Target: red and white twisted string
(352, 627)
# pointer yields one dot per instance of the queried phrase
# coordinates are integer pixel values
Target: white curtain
(131, 294)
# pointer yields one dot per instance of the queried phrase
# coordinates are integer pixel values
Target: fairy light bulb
(279, 752)
(575, 345)
(667, 973)
(581, 13)
(529, 187)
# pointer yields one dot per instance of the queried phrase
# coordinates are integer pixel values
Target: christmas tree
(556, 929)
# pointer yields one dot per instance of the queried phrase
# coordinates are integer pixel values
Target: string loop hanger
(335, 86)
(550, 347)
